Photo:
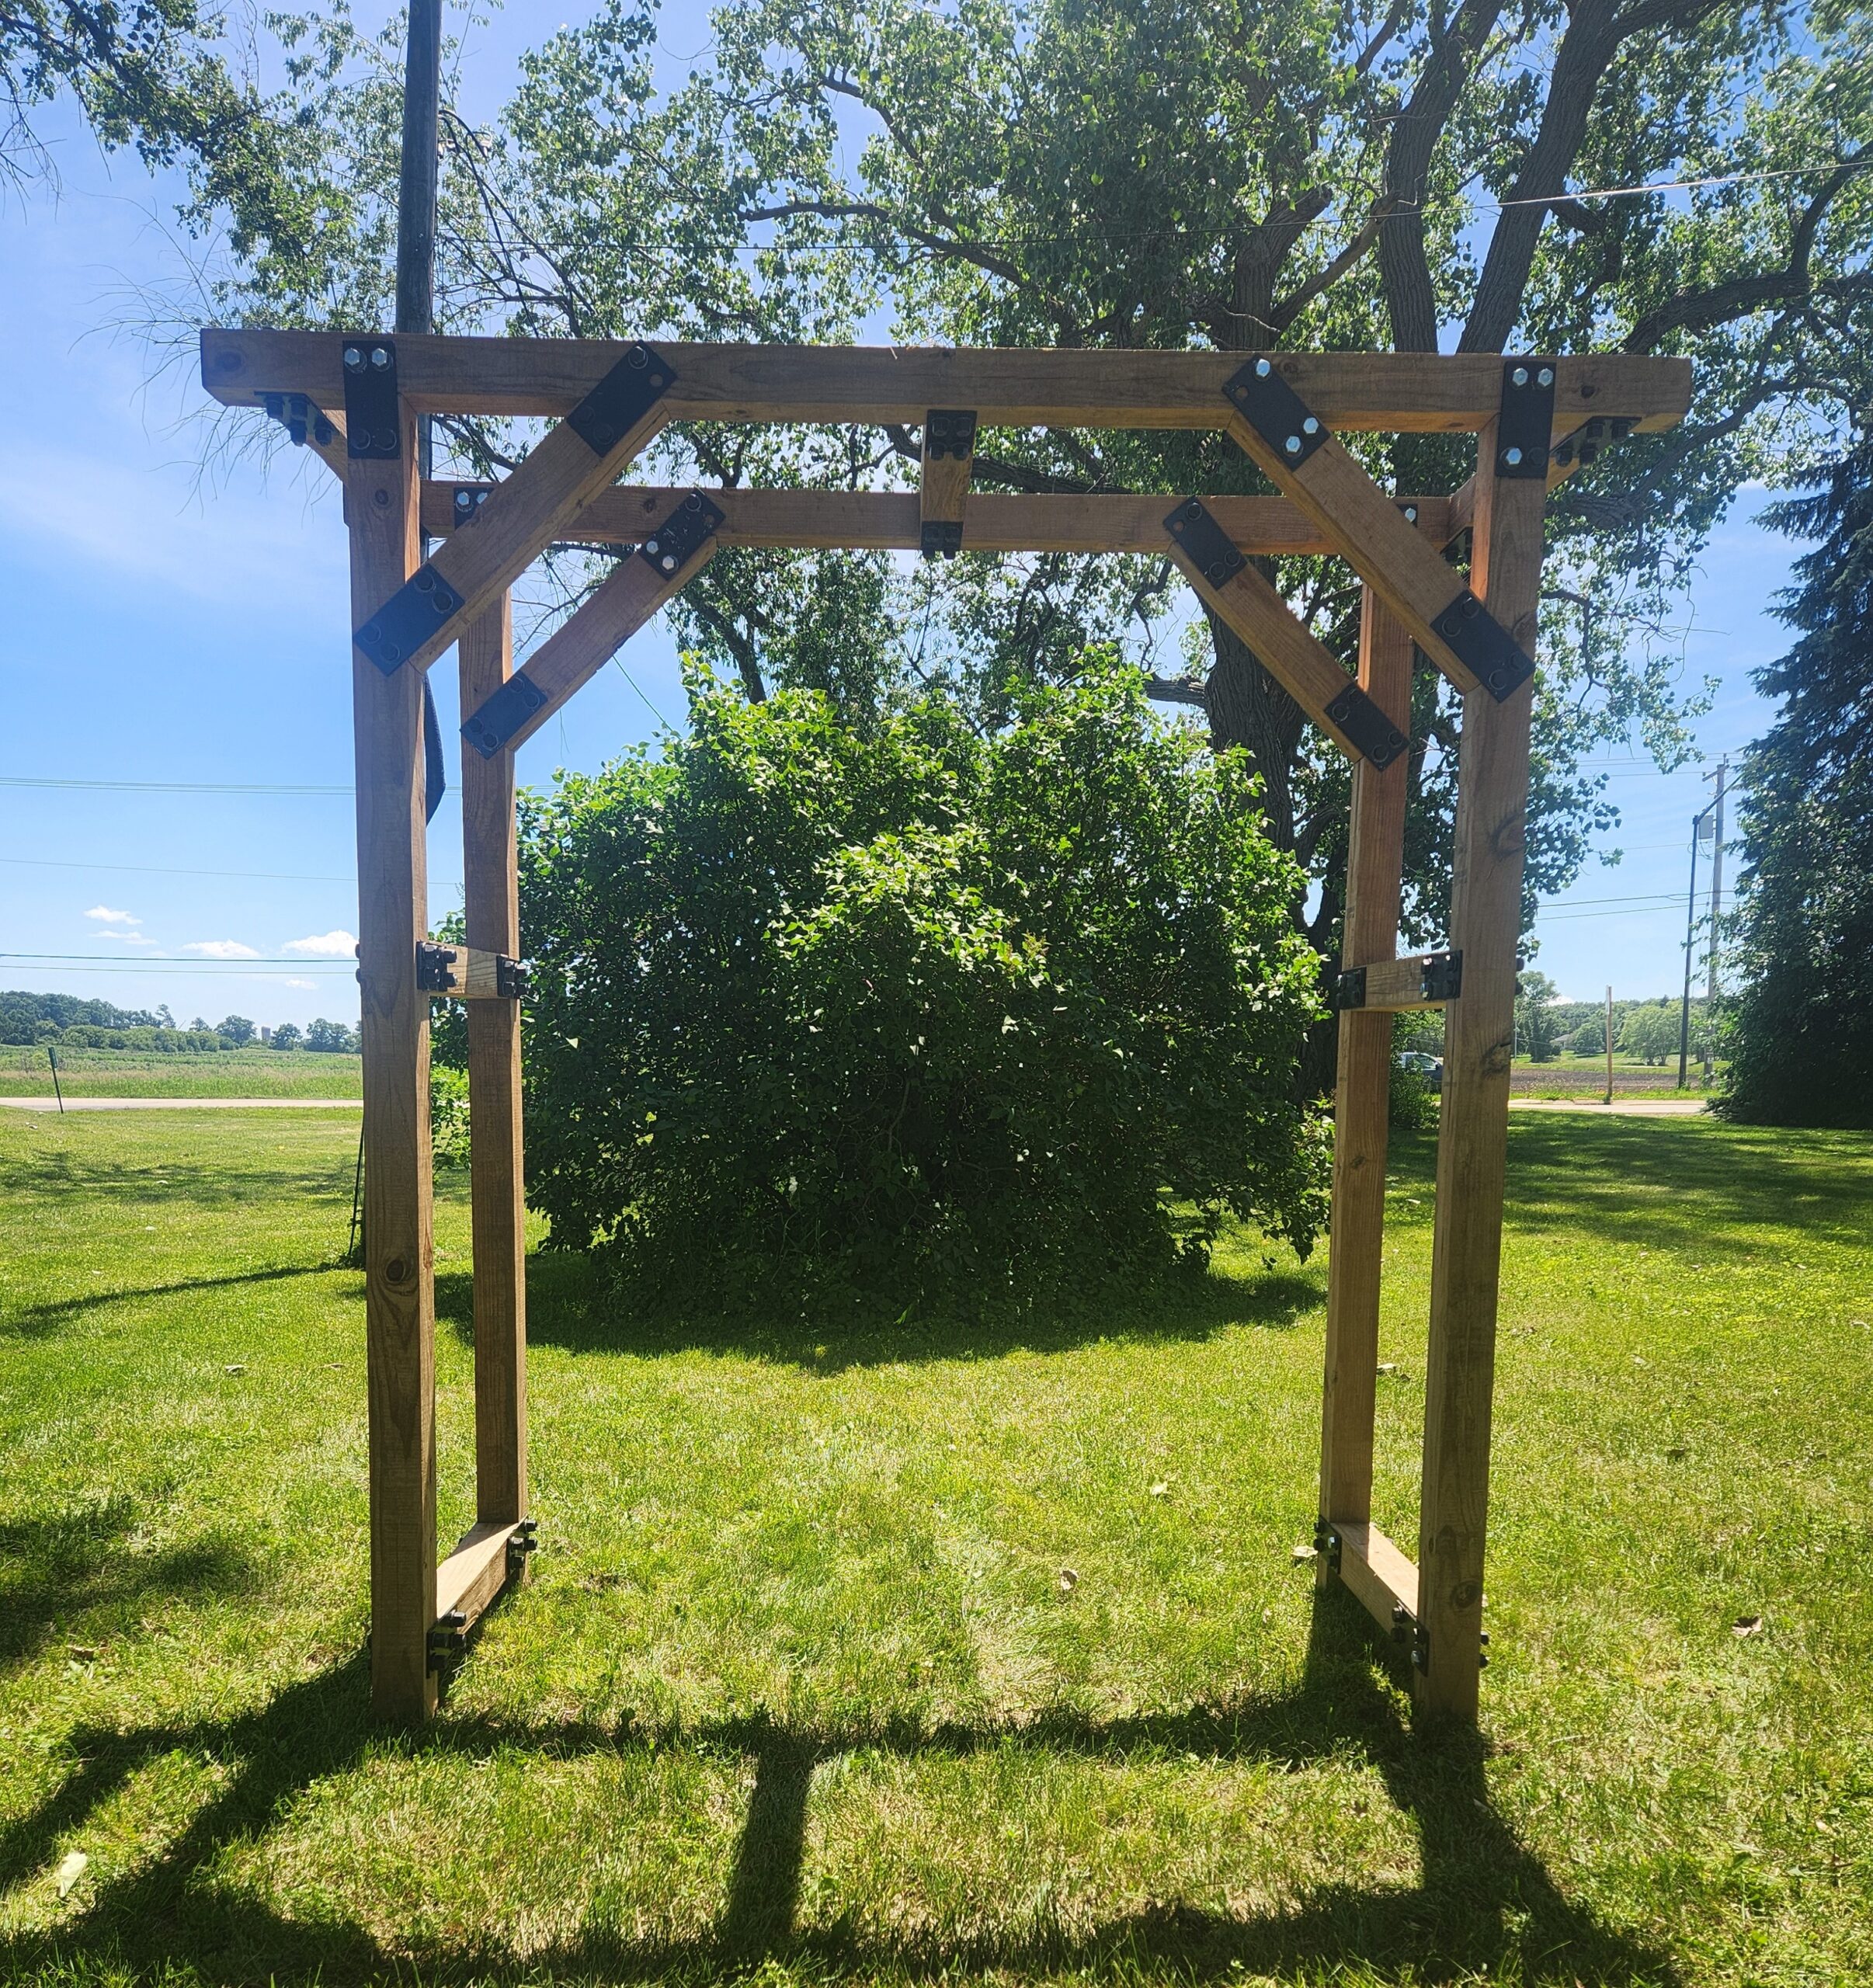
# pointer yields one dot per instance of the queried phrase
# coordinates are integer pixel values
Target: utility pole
(1609, 1045)
(1710, 998)
(1701, 823)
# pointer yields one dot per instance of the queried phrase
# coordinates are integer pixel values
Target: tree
(1534, 1016)
(332, 1038)
(236, 1030)
(1088, 174)
(1650, 1031)
(913, 1007)
(1800, 1030)
(286, 1036)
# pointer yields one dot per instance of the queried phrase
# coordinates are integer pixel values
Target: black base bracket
(1484, 646)
(407, 619)
(1367, 726)
(490, 728)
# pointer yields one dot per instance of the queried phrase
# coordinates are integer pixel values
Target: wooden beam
(399, 1288)
(1378, 1573)
(580, 648)
(1396, 392)
(1420, 980)
(1362, 1092)
(889, 520)
(475, 1573)
(949, 455)
(1466, 1249)
(497, 1193)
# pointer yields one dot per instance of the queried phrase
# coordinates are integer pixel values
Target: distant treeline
(66, 1022)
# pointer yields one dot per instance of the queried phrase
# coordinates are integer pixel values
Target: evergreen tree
(1802, 1030)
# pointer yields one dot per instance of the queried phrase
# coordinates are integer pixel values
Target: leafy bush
(163, 1041)
(914, 1007)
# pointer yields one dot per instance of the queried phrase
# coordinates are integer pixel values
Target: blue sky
(181, 637)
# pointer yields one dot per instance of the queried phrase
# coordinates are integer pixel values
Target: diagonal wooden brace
(522, 515)
(1293, 448)
(949, 456)
(1305, 667)
(574, 653)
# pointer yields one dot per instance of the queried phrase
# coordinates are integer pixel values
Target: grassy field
(898, 1658)
(226, 1073)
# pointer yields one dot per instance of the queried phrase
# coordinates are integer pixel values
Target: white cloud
(105, 915)
(323, 946)
(127, 938)
(221, 949)
(306, 984)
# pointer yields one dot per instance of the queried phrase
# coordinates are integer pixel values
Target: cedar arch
(356, 400)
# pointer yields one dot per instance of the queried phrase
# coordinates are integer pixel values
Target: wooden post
(491, 890)
(399, 1287)
(1609, 1045)
(1362, 1094)
(1485, 925)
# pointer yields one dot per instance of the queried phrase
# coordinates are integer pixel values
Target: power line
(162, 870)
(179, 959)
(166, 786)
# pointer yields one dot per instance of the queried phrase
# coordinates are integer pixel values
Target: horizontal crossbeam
(474, 1573)
(469, 973)
(1393, 392)
(1377, 1574)
(884, 520)
(1425, 980)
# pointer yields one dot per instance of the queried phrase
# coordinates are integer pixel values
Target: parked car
(1429, 1067)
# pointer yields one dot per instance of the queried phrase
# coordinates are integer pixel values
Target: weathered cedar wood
(399, 1281)
(491, 906)
(1362, 1094)
(1478, 1033)
(1398, 392)
(888, 520)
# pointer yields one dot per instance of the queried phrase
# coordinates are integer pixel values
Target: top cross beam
(1386, 392)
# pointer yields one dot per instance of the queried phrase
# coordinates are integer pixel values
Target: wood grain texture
(1398, 985)
(942, 484)
(1395, 392)
(1376, 1572)
(1485, 923)
(888, 520)
(399, 1277)
(1362, 1091)
(474, 1573)
(491, 903)
(1370, 532)
(1302, 664)
(580, 648)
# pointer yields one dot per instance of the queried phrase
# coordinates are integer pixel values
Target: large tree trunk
(1247, 708)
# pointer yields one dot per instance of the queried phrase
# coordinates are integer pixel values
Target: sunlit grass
(857, 1655)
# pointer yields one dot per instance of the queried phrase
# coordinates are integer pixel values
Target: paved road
(182, 1104)
(1621, 1107)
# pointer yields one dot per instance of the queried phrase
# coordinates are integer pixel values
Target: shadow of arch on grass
(569, 1307)
(31, 1321)
(1486, 1903)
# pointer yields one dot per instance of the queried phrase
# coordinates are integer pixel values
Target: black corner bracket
(950, 431)
(1276, 412)
(1205, 541)
(940, 538)
(1349, 990)
(489, 728)
(1484, 646)
(675, 542)
(435, 967)
(1440, 977)
(1367, 726)
(619, 401)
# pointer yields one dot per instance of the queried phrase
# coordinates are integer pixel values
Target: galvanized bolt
(1519, 376)
(1512, 456)
(353, 358)
(1262, 368)
(1310, 426)
(668, 562)
(379, 357)
(1546, 376)
(1293, 445)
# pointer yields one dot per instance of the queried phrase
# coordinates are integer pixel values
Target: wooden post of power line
(1485, 925)
(492, 901)
(1609, 1098)
(399, 1288)
(1362, 1092)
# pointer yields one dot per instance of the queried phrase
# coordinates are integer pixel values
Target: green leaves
(914, 1007)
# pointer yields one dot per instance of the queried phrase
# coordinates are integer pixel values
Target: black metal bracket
(1367, 726)
(408, 619)
(1327, 1543)
(1525, 423)
(1440, 978)
(510, 979)
(619, 401)
(490, 728)
(1406, 1628)
(1484, 646)
(522, 1542)
(466, 505)
(1587, 441)
(1276, 412)
(448, 1640)
(435, 968)
(374, 427)
(940, 538)
(950, 431)
(1349, 989)
(300, 417)
(675, 542)
(1205, 542)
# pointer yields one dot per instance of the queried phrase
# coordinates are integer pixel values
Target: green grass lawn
(857, 1657)
(224, 1073)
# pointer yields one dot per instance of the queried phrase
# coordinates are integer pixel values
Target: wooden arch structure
(357, 401)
